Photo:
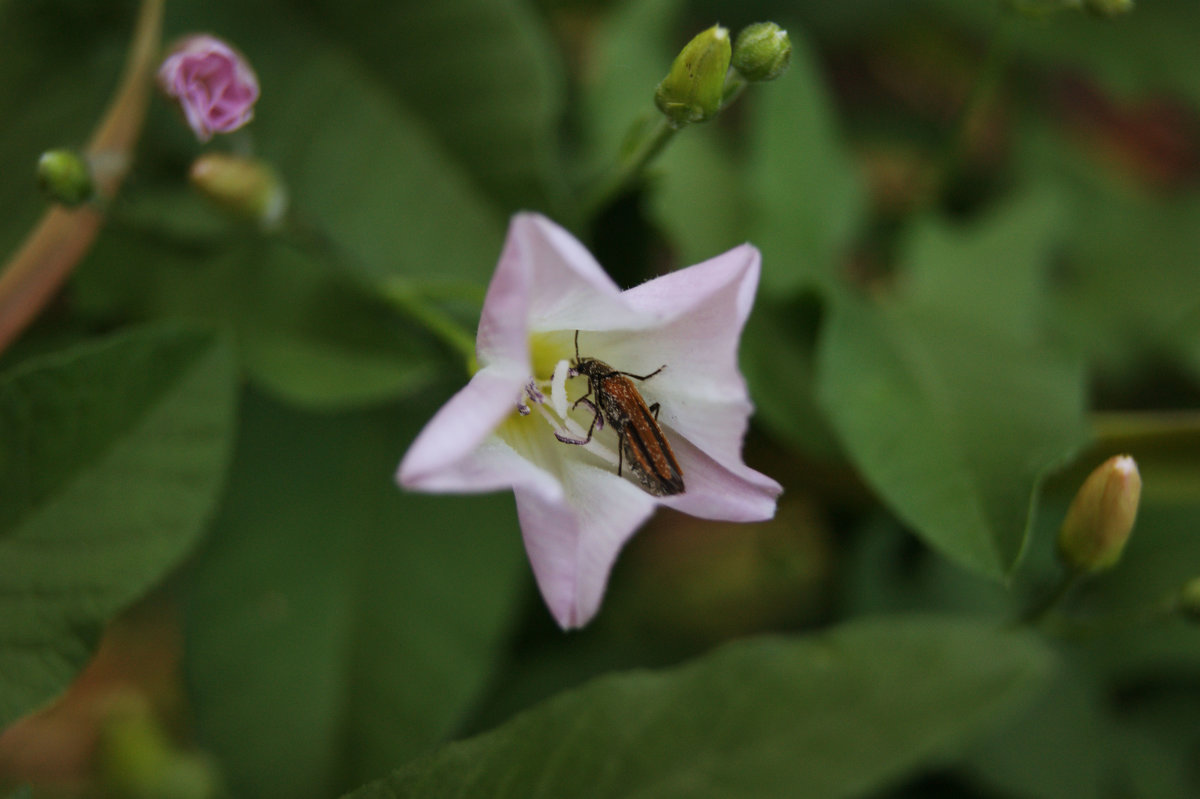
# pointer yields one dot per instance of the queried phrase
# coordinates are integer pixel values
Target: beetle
(640, 441)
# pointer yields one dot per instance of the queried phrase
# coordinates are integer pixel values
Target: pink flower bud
(212, 82)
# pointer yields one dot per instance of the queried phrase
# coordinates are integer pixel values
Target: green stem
(651, 144)
(1040, 611)
(401, 294)
(646, 150)
(416, 306)
(985, 83)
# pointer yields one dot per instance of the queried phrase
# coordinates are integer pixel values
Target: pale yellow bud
(1101, 516)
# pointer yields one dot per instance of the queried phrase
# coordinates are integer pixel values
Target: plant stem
(63, 236)
(1040, 611)
(401, 294)
(415, 304)
(651, 144)
(981, 90)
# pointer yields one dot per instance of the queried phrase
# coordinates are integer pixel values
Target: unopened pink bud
(212, 82)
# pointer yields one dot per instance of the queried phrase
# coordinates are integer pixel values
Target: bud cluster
(701, 81)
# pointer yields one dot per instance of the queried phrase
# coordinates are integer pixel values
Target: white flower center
(572, 424)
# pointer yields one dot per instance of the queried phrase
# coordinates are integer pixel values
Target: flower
(212, 82)
(508, 427)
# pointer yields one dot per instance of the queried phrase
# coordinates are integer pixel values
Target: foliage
(980, 238)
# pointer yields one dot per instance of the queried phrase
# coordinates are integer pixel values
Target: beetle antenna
(576, 346)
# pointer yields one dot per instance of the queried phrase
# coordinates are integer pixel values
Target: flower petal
(569, 289)
(440, 457)
(703, 394)
(573, 542)
(716, 491)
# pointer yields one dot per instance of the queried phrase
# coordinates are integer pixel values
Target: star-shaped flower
(519, 422)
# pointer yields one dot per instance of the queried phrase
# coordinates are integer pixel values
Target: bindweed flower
(213, 84)
(523, 420)
(1101, 516)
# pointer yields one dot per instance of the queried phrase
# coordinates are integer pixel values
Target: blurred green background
(981, 243)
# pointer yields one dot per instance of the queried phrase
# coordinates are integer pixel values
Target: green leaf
(700, 195)
(839, 714)
(483, 75)
(807, 198)
(993, 273)
(113, 456)
(1132, 281)
(368, 174)
(305, 330)
(336, 624)
(953, 426)
(1064, 748)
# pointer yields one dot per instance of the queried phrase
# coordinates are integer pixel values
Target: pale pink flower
(212, 82)
(502, 430)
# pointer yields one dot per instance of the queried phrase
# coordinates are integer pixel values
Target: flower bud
(1101, 516)
(693, 88)
(245, 187)
(65, 177)
(1108, 8)
(214, 85)
(762, 52)
(1189, 600)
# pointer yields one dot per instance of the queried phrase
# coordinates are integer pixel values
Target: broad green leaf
(993, 273)
(336, 624)
(807, 200)
(484, 75)
(839, 714)
(1131, 281)
(305, 329)
(112, 456)
(1066, 747)
(368, 175)
(952, 425)
(699, 195)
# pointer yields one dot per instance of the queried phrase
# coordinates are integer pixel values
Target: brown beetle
(640, 441)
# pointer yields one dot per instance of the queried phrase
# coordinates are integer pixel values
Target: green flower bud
(244, 187)
(693, 88)
(1108, 8)
(1101, 516)
(762, 52)
(1189, 600)
(65, 177)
